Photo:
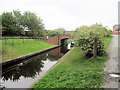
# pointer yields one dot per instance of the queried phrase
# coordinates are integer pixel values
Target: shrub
(90, 39)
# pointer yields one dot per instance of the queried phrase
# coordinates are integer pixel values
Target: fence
(13, 40)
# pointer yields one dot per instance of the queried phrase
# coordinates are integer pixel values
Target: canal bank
(24, 74)
(76, 71)
(59, 62)
(22, 58)
(10, 51)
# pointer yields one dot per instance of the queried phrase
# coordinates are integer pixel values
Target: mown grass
(10, 50)
(76, 71)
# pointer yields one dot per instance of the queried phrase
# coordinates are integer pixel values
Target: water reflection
(26, 69)
(31, 69)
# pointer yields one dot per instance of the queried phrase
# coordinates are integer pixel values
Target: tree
(56, 32)
(11, 23)
(61, 30)
(8, 24)
(98, 32)
(0, 20)
(33, 23)
(14, 24)
(18, 23)
(90, 39)
(53, 33)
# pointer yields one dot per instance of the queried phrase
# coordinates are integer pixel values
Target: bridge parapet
(57, 39)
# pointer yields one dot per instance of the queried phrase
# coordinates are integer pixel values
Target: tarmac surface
(111, 70)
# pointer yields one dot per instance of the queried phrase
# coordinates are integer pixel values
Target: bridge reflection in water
(24, 74)
(59, 52)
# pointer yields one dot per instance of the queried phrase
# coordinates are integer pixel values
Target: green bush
(90, 39)
(87, 47)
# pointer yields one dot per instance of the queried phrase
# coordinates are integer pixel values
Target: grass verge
(76, 71)
(10, 51)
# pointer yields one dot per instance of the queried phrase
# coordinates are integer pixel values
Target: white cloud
(68, 14)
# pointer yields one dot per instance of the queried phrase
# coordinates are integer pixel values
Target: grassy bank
(10, 51)
(76, 71)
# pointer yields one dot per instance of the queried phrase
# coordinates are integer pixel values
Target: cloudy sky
(68, 14)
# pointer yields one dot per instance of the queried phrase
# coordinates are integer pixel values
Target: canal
(24, 74)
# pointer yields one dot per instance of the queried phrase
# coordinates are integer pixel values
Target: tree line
(15, 23)
(27, 23)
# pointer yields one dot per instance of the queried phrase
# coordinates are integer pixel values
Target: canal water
(24, 74)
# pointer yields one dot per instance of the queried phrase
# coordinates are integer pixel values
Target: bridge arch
(57, 40)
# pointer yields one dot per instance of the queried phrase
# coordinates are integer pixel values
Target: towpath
(112, 80)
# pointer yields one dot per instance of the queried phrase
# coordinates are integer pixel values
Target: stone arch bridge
(58, 40)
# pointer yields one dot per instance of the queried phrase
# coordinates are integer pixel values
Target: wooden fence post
(5, 41)
(12, 41)
(18, 40)
(23, 40)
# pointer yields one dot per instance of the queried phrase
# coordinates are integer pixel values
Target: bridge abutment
(58, 39)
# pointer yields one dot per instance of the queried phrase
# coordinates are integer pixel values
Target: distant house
(116, 29)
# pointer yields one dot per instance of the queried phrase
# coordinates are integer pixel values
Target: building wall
(115, 32)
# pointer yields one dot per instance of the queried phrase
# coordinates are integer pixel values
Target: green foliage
(69, 33)
(8, 23)
(87, 47)
(53, 33)
(85, 38)
(107, 42)
(33, 24)
(109, 32)
(17, 24)
(56, 32)
(0, 21)
(0, 25)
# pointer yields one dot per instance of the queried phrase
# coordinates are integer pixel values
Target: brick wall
(54, 40)
(115, 32)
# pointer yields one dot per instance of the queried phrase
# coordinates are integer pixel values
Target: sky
(67, 14)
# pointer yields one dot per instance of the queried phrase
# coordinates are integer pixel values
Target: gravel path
(111, 66)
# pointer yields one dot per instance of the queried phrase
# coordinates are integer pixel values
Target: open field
(17, 47)
(76, 71)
